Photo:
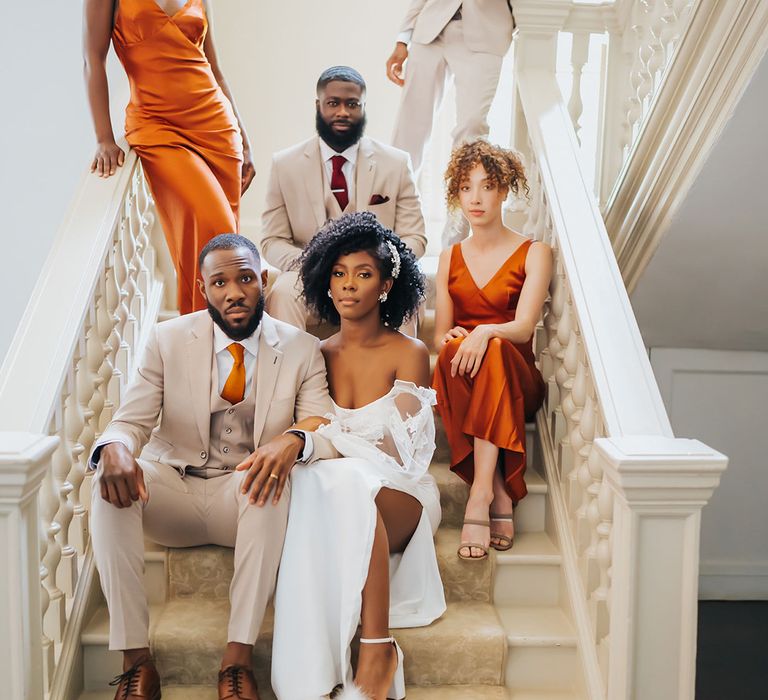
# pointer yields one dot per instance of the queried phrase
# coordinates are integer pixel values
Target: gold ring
(274, 476)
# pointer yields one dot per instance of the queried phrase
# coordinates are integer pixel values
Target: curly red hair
(502, 166)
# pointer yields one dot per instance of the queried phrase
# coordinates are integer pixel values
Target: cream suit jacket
(173, 383)
(488, 24)
(295, 201)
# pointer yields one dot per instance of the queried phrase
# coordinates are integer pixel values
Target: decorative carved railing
(625, 494)
(99, 293)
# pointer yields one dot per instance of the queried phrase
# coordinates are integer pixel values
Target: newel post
(24, 459)
(660, 484)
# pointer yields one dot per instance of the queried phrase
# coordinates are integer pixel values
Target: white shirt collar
(221, 341)
(326, 152)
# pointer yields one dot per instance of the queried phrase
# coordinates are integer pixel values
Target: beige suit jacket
(173, 384)
(488, 24)
(295, 201)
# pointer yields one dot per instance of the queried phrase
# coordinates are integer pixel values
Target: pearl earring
(383, 297)
(330, 296)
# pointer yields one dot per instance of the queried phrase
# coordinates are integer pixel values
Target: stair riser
(526, 584)
(544, 667)
(155, 578)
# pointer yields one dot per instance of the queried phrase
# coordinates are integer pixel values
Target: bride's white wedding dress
(387, 443)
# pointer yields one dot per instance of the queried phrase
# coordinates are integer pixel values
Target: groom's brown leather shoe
(139, 682)
(237, 683)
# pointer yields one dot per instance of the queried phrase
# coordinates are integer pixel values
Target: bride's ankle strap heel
(397, 689)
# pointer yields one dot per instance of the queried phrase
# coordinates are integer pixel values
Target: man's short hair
(343, 73)
(228, 241)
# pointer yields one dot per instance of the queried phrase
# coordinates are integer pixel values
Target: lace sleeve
(398, 430)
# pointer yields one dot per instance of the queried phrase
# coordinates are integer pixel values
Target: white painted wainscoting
(719, 397)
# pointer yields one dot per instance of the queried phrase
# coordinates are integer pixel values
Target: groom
(226, 385)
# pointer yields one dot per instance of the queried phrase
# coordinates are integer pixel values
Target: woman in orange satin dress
(486, 381)
(181, 121)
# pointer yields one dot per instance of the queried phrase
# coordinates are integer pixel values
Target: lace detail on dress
(395, 431)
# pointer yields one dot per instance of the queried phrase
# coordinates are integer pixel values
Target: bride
(359, 545)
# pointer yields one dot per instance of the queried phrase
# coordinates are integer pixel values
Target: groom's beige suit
(188, 439)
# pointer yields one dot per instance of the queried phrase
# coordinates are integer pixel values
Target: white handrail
(626, 387)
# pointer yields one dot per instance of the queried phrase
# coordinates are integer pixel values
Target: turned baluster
(117, 296)
(579, 56)
(577, 484)
(107, 323)
(85, 439)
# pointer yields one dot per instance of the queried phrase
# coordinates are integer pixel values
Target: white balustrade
(608, 447)
(59, 387)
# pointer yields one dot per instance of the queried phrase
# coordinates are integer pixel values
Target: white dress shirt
(326, 153)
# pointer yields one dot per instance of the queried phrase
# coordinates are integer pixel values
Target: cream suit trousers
(284, 303)
(185, 512)
(429, 66)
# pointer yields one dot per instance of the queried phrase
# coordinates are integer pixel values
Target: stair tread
(530, 548)
(437, 692)
(543, 695)
(527, 625)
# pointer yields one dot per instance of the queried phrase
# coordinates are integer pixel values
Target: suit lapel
(267, 368)
(199, 362)
(366, 169)
(315, 180)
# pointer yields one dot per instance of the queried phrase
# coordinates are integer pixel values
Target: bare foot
(477, 509)
(376, 666)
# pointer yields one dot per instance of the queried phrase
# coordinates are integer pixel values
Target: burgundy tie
(339, 182)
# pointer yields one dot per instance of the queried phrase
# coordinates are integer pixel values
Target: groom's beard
(239, 333)
(339, 142)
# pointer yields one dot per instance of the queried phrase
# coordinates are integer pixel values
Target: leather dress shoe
(237, 683)
(139, 682)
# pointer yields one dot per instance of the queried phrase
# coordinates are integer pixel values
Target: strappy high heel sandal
(396, 690)
(476, 545)
(506, 541)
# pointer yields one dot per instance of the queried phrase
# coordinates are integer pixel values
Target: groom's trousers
(185, 511)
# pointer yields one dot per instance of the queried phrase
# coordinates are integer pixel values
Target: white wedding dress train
(387, 443)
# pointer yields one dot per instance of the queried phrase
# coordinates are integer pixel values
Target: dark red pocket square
(378, 199)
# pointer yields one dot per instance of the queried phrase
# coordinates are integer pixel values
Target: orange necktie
(234, 389)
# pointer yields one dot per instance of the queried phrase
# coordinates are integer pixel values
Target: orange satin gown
(507, 388)
(183, 128)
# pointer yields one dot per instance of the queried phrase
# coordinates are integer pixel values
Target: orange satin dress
(183, 128)
(507, 388)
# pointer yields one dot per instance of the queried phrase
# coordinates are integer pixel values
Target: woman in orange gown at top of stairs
(181, 121)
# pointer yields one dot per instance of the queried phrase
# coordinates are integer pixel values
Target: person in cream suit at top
(335, 172)
(463, 40)
(205, 432)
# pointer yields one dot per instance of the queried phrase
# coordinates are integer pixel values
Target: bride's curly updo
(351, 233)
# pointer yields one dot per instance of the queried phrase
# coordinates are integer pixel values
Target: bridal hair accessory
(330, 296)
(383, 297)
(395, 259)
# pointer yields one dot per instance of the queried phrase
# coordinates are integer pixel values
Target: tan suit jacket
(173, 383)
(487, 24)
(296, 192)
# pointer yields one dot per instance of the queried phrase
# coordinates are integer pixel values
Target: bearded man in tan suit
(335, 172)
(462, 40)
(227, 385)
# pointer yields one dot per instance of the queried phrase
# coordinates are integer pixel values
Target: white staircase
(597, 598)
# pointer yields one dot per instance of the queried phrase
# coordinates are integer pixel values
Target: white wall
(719, 397)
(272, 54)
(46, 141)
(706, 286)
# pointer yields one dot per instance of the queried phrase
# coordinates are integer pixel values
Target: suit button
(228, 431)
(231, 411)
(225, 450)
(203, 455)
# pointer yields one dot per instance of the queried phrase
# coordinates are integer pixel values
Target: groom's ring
(274, 476)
